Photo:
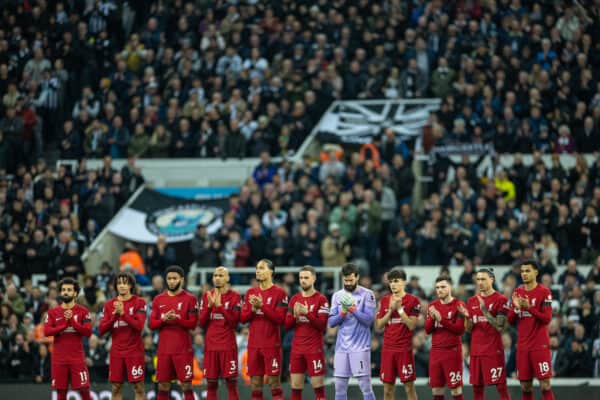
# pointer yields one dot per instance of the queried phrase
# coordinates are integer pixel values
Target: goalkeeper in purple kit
(353, 312)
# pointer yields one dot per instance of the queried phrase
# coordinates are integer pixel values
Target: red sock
(276, 394)
(232, 390)
(438, 397)
(478, 392)
(548, 394)
(503, 391)
(257, 394)
(458, 397)
(163, 395)
(85, 394)
(188, 395)
(527, 395)
(320, 393)
(296, 394)
(211, 390)
(61, 395)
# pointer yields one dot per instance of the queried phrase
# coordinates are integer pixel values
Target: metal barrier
(198, 276)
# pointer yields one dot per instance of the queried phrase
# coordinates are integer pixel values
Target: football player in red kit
(397, 315)
(69, 323)
(532, 309)
(446, 324)
(308, 312)
(174, 314)
(219, 317)
(485, 318)
(265, 307)
(124, 317)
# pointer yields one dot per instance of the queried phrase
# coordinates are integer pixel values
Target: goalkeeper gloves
(347, 303)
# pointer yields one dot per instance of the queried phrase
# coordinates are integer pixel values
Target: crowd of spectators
(182, 78)
(228, 79)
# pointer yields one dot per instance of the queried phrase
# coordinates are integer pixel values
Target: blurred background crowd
(108, 79)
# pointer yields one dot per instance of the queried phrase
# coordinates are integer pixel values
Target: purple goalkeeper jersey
(354, 329)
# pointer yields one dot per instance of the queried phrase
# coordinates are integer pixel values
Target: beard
(65, 299)
(175, 287)
(351, 288)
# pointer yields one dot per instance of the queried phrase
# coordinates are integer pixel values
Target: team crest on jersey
(179, 306)
(130, 310)
(533, 302)
(449, 314)
(311, 308)
(226, 305)
(268, 300)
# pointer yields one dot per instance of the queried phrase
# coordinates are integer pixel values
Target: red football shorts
(175, 366)
(220, 364)
(487, 370)
(78, 372)
(534, 363)
(313, 362)
(445, 367)
(397, 363)
(263, 362)
(133, 367)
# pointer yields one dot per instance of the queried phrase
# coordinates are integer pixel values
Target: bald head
(220, 277)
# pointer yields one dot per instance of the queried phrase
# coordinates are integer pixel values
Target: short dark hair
(309, 268)
(176, 269)
(128, 277)
(531, 262)
(69, 281)
(269, 263)
(489, 271)
(443, 278)
(396, 273)
(349, 269)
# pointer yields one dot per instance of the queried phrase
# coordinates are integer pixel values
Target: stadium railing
(329, 278)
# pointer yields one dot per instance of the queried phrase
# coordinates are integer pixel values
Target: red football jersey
(310, 328)
(448, 331)
(174, 337)
(397, 336)
(532, 332)
(265, 323)
(68, 335)
(220, 323)
(126, 328)
(485, 339)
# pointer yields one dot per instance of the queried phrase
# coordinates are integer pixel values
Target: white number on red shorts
(455, 377)
(137, 372)
(232, 366)
(188, 371)
(317, 365)
(275, 364)
(407, 370)
(496, 373)
(544, 367)
(83, 377)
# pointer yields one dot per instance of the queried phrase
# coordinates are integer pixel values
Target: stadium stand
(233, 79)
